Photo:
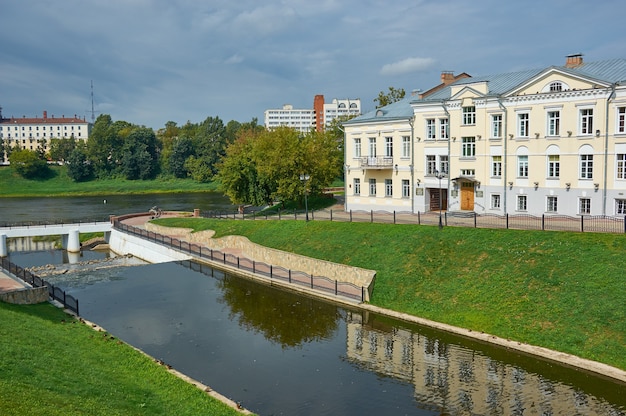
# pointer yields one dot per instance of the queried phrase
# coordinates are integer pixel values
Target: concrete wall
(26, 296)
(122, 243)
(239, 245)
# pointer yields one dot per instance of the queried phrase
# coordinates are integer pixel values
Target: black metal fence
(278, 273)
(545, 222)
(55, 293)
(56, 222)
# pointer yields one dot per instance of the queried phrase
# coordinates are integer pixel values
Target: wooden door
(467, 196)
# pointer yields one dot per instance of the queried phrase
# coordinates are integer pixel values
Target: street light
(304, 179)
(439, 176)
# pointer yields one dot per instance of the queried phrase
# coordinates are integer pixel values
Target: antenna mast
(93, 114)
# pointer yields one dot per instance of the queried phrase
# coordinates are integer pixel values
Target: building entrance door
(467, 196)
(435, 204)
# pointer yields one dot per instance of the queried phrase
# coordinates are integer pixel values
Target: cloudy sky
(153, 61)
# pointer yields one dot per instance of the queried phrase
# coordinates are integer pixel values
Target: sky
(154, 61)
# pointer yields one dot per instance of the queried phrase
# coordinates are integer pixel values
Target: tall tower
(318, 106)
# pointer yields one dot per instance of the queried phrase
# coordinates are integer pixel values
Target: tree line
(251, 165)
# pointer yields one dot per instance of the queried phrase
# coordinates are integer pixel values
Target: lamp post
(304, 178)
(439, 176)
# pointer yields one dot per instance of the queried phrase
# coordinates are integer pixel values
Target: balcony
(376, 162)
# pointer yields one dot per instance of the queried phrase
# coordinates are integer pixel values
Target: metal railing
(59, 222)
(545, 222)
(321, 283)
(54, 292)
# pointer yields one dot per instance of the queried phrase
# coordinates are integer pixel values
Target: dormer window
(556, 86)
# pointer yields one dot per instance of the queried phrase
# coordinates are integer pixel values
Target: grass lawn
(53, 365)
(563, 291)
(59, 184)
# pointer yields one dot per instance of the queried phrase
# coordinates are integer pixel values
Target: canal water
(280, 353)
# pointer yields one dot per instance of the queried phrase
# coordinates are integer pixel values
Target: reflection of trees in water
(282, 317)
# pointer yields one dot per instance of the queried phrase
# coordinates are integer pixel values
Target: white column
(73, 242)
(4, 251)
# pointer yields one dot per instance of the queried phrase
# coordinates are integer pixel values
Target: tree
(79, 168)
(261, 167)
(238, 176)
(61, 149)
(391, 97)
(139, 154)
(28, 164)
(182, 149)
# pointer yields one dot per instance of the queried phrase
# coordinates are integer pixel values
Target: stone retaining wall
(26, 296)
(335, 271)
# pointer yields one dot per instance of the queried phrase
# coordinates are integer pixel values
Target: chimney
(45, 114)
(574, 61)
(447, 77)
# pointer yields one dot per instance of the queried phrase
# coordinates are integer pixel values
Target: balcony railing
(376, 162)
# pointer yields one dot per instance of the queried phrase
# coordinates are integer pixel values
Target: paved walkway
(9, 283)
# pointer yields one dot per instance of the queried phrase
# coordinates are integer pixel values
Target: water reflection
(451, 378)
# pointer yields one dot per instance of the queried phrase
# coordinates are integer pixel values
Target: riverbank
(529, 287)
(59, 184)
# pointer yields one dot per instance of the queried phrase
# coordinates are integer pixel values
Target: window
(406, 146)
(620, 207)
(443, 164)
(389, 146)
(496, 166)
(388, 187)
(372, 147)
(522, 203)
(468, 147)
(522, 166)
(431, 164)
(468, 172)
(554, 166)
(406, 188)
(357, 147)
(586, 121)
(522, 124)
(584, 206)
(621, 166)
(430, 129)
(372, 187)
(554, 123)
(469, 115)
(586, 166)
(357, 186)
(495, 201)
(621, 119)
(496, 126)
(556, 86)
(443, 128)
(552, 204)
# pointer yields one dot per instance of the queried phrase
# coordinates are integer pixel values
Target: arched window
(556, 86)
(341, 105)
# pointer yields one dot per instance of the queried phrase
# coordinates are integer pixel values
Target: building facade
(544, 141)
(32, 133)
(304, 120)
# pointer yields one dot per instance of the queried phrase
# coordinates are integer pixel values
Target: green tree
(104, 146)
(238, 176)
(139, 156)
(28, 164)
(61, 149)
(266, 166)
(392, 96)
(79, 168)
(182, 149)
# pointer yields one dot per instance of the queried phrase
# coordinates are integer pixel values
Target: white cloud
(407, 65)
